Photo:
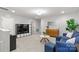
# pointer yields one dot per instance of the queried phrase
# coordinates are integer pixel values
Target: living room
(27, 25)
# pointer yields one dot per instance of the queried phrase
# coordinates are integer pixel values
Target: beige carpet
(30, 44)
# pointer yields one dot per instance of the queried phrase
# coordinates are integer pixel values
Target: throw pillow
(69, 34)
(72, 40)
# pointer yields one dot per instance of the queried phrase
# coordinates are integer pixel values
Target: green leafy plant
(71, 25)
(44, 33)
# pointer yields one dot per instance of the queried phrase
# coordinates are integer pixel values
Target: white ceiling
(51, 11)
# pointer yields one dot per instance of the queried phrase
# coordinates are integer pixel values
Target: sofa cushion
(77, 40)
(75, 34)
(60, 44)
(64, 39)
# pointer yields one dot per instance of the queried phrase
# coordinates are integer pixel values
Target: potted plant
(44, 33)
(71, 25)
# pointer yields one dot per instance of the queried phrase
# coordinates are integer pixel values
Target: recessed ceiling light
(13, 11)
(62, 12)
(39, 11)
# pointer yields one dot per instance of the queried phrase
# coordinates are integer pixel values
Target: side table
(44, 38)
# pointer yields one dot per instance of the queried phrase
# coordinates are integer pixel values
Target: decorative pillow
(72, 41)
(69, 34)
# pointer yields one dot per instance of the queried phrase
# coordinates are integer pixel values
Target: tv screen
(22, 28)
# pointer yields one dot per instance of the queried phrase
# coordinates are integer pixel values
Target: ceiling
(51, 11)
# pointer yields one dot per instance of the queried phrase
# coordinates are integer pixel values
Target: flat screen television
(22, 28)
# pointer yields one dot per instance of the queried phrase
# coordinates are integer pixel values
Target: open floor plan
(39, 29)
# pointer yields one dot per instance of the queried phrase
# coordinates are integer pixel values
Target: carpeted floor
(30, 44)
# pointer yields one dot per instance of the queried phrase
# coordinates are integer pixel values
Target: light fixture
(13, 11)
(39, 11)
(62, 12)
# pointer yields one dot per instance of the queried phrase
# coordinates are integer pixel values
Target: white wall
(8, 21)
(44, 23)
(38, 26)
(59, 21)
(22, 20)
